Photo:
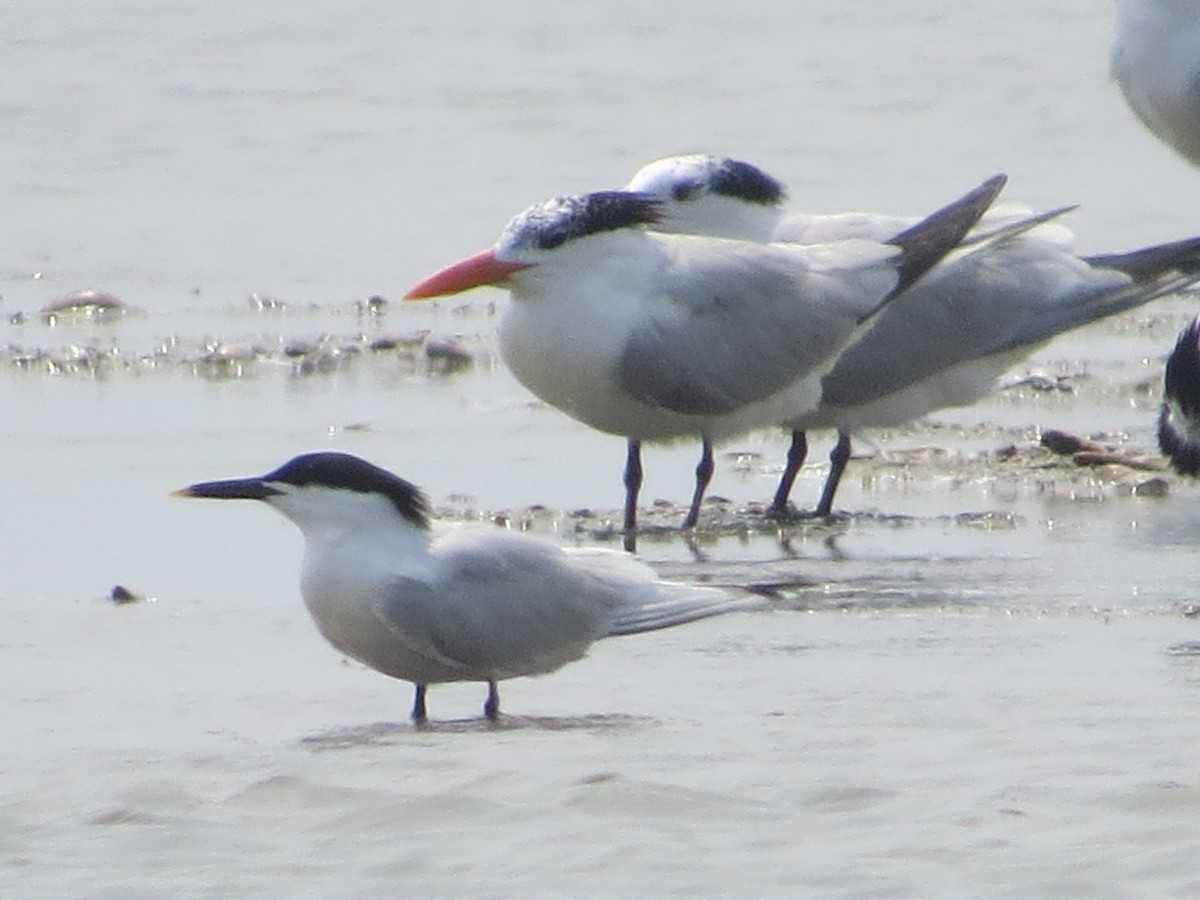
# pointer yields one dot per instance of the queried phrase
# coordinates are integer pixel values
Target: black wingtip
(927, 242)
(1151, 262)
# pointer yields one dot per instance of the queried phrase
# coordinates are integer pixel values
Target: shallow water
(979, 682)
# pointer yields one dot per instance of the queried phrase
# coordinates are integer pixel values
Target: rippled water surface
(981, 681)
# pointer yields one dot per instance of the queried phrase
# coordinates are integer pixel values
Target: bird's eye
(552, 238)
(685, 191)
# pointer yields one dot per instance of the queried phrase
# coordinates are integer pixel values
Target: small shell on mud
(87, 304)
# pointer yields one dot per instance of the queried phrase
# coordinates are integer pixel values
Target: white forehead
(663, 177)
(525, 229)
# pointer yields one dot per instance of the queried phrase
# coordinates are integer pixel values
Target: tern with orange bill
(661, 337)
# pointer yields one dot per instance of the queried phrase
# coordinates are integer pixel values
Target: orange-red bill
(474, 271)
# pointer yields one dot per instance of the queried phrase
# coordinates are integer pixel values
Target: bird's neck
(344, 565)
(367, 541)
(724, 217)
(600, 265)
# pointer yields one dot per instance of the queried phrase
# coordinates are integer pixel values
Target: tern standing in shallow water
(1014, 286)
(472, 605)
(660, 337)
(1156, 62)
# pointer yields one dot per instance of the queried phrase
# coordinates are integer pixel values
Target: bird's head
(709, 195)
(325, 489)
(535, 236)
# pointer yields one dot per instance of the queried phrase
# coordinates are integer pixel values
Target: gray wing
(649, 603)
(501, 606)
(737, 322)
(991, 301)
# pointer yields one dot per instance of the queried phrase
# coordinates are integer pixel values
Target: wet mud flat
(1065, 446)
(992, 640)
(1077, 421)
(93, 334)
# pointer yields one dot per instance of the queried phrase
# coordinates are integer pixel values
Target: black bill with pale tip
(235, 489)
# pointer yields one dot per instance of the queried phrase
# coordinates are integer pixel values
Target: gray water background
(985, 691)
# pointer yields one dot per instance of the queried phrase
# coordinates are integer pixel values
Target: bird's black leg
(838, 457)
(797, 453)
(418, 710)
(491, 707)
(633, 485)
(704, 473)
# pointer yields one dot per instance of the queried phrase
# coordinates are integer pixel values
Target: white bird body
(1155, 61)
(961, 384)
(463, 610)
(947, 339)
(584, 335)
(470, 605)
(659, 336)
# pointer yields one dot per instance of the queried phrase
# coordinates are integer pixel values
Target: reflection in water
(382, 733)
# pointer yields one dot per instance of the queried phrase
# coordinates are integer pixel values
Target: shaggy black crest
(742, 181)
(1181, 395)
(576, 217)
(341, 470)
(1183, 371)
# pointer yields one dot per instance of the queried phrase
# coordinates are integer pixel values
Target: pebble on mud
(1065, 444)
(1153, 487)
(1091, 454)
(448, 356)
(122, 595)
(1060, 383)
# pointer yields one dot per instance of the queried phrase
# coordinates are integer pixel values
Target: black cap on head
(1182, 384)
(555, 222)
(344, 471)
(743, 181)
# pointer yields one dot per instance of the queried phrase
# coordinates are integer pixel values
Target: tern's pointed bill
(657, 336)
(475, 271)
(235, 489)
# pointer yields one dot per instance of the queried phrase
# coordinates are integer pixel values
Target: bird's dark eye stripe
(685, 190)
